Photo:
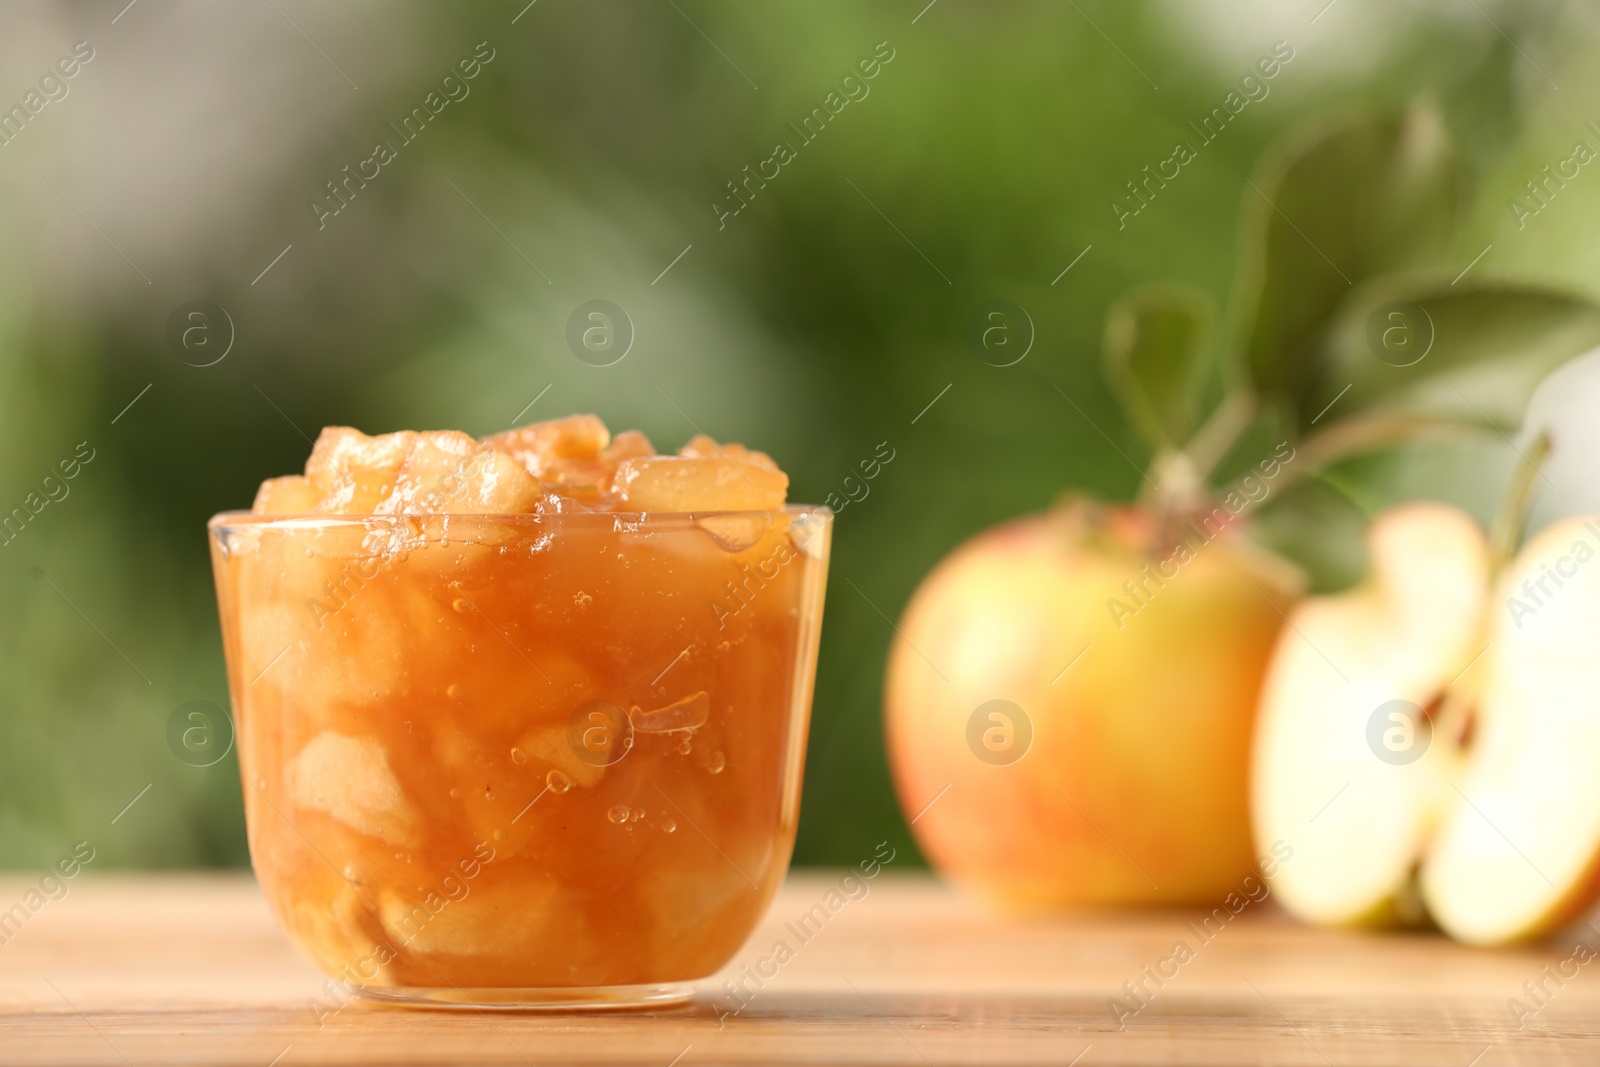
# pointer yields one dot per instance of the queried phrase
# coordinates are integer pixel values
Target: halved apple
(1416, 723)
(1520, 853)
(1358, 821)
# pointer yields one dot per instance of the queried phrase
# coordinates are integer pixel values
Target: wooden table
(191, 969)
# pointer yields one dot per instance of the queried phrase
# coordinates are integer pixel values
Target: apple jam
(525, 714)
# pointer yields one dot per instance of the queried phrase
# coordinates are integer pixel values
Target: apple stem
(1173, 485)
(1179, 479)
(1505, 535)
(1367, 433)
(1220, 432)
(1348, 437)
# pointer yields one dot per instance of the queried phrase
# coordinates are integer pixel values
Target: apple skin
(1135, 787)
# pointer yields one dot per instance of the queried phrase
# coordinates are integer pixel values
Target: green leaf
(1317, 525)
(1472, 352)
(1155, 346)
(1355, 199)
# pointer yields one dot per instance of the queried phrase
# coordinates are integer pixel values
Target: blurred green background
(816, 323)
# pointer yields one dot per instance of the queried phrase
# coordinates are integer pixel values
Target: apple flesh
(1520, 855)
(1357, 819)
(1132, 727)
(1492, 811)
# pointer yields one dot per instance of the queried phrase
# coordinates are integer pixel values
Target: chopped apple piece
(449, 473)
(589, 479)
(550, 746)
(687, 906)
(350, 779)
(737, 532)
(332, 920)
(430, 475)
(317, 627)
(293, 494)
(557, 450)
(517, 919)
(629, 444)
(674, 483)
(496, 484)
(702, 447)
(352, 472)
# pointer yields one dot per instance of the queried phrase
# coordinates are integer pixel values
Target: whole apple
(1070, 700)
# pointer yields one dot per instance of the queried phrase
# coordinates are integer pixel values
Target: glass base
(563, 998)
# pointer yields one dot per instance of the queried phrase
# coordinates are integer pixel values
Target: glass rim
(249, 519)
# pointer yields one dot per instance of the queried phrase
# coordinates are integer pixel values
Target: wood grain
(191, 969)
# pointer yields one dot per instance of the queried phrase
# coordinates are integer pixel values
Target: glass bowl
(521, 761)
